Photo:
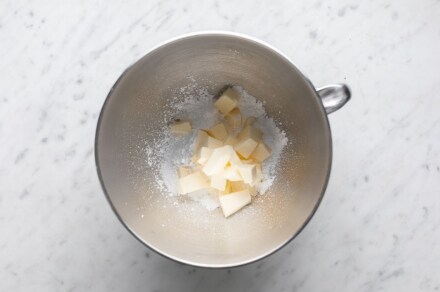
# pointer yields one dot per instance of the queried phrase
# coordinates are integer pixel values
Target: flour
(168, 151)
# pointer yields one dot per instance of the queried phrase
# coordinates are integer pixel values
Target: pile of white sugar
(167, 152)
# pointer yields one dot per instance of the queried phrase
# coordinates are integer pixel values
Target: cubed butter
(201, 140)
(248, 172)
(228, 101)
(204, 154)
(234, 118)
(235, 159)
(212, 142)
(193, 182)
(250, 132)
(261, 152)
(233, 202)
(231, 173)
(218, 160)
(219, 132)
(227, 166)
(246, 147)
(218, 182)
(237, 186)
(231, 140)
(259, 174)
(248, 141)
(181, 128)
(227, 189)
(183, 171)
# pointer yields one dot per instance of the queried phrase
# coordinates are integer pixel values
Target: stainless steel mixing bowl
(182, 230)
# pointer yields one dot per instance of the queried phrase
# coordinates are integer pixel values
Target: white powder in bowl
(168, 151)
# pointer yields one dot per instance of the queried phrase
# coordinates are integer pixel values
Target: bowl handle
(334, 96)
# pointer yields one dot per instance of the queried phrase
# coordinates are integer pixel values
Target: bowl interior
(186, 231)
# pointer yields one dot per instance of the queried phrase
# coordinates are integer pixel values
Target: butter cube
(228, 101)
(203, 155)
(250, 132)
(235, 159)
(181, 128)
(227, 189)
(192, 182)
(248, 141)
(219, 132)
(201, 140)
(249, 121)
(237, 186)
(248, 161)
(248, 172)
(212, 142)
(234, 118)
(231, 140)
(183, 171)
(218, 160)
(261, 152)
(233, 202)
(231, 173)
(259, 174)
(246, 147)
(218, 182)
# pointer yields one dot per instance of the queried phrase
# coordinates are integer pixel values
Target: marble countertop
(378, 227)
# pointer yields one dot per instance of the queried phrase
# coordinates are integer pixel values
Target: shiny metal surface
(189, 233)
(334, 96)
